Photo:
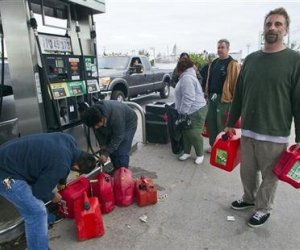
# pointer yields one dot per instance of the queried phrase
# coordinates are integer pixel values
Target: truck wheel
(165, 91)
(118, 95)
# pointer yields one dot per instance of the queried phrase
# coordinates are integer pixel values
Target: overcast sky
(193, 25)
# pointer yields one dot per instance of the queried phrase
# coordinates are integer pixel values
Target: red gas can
(102, 188)
(123, 187)
(225, 153)
(146, 192)
(89, 222)
(73, 191)
(288, 167)
(205, 132)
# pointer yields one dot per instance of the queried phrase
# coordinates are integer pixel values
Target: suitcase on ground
(156, 123)
(74, 191)
(102, 188)
(88, 220)
(146, 192)
(225, 153)
(123, 187)
(288, 167)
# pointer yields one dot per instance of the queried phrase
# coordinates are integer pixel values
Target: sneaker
(184, 157)
(199, 160)
(258, 219)
(241, 205)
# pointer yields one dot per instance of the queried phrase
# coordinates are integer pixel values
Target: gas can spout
(86, 203)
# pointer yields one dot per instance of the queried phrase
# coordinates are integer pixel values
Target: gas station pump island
(52, 55)
(52, 73)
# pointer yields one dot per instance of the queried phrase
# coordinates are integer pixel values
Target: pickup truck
(125, 77)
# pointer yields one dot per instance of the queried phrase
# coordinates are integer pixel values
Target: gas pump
(58, 68)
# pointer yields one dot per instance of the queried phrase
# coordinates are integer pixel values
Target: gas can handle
(292, 148)
(227, 136)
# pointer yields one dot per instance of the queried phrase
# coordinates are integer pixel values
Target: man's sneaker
(258, 219)
(199, 160)
(184, 157)
(241, 205)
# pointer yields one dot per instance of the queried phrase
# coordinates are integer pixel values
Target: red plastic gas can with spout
(88, 220)
(288, 167)
(123, 187)
(102, 188)
(225, 153)
(74, 191)
(146, 192)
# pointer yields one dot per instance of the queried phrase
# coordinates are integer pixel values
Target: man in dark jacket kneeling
(30, 168)
(115, 124)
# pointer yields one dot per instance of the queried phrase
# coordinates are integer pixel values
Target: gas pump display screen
(60, 63)
(56, 68)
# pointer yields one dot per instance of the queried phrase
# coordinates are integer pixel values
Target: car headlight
(104, 81)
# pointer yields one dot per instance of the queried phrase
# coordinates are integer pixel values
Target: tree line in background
(198, 59)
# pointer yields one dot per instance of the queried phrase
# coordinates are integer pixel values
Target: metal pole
(141, 110)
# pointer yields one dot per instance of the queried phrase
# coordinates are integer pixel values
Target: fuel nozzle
(77, 27)
(93, 31)
(63, 112)
(83, 106)
(33, 22)
(1, 28)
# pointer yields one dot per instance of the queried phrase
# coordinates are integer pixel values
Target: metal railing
(142, 112)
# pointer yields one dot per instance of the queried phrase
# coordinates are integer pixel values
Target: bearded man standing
(267, 97)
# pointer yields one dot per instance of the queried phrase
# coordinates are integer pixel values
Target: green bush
(198, 59)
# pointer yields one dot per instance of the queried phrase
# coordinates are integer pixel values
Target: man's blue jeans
(32, 210)
(120, 157)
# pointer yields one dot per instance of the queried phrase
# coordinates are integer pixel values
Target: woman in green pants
(189, 100)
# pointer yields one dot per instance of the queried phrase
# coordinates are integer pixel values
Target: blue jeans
(120, 157)
(32, 210)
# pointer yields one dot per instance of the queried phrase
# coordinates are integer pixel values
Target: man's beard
(271, 38)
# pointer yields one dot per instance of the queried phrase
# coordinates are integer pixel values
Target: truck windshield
(113, 62)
